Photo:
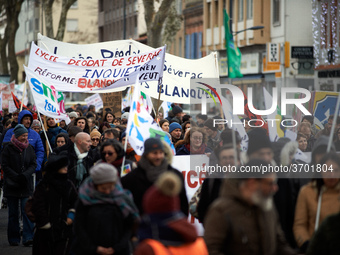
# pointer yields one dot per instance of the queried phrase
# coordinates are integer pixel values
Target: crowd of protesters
(83, 204)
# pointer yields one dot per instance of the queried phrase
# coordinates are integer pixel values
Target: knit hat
(173, 126)
(176, 109)
(209, 123)
(163, 197)
(94, 133)
(56, 162)
(73, 115)
(36, 123)
(103, 173)
(152, 144)
(125, 115)
(258, 139)
(19, 130)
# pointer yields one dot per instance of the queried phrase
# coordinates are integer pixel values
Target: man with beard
(151, 165)
(243, 219)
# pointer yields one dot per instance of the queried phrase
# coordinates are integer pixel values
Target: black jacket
(72, 164)
(18, 168)
(137, 182)
(101, 225)
(54, 197)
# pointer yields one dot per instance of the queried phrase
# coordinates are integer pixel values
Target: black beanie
(56, 162)
(209, 123)
(152, 144)
(176, 109)
(258, 139)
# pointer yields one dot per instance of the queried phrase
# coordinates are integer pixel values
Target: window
(240, 10)
(75, 5)
(72, 25)
(276, 12)
(249, 9)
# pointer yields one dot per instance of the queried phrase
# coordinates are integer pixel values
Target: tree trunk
(66, 4)
(155, 21)
(13, 9)
(48, 18)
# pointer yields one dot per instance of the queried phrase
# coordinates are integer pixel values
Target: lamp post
(250, 28)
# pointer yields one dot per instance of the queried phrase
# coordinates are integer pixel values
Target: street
(5, 249)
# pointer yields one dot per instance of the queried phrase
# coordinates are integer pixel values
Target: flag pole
(23, 96)
(160, 86)
(334, 124)
(44, 130)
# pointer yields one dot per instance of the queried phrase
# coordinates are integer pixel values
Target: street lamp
(250, 28)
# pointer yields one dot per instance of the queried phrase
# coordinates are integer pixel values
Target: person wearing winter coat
(112, 152)
(18, 164)
(105, 214)
(243, 219)
(164, 228)
(323, 191)
(194, 142)
(151, 165)
(54, 209)
(52, 132)
(80, 158)
(26, 118)
(326, 239)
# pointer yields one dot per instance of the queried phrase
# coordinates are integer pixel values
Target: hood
(229, 189)
(321, 145)
(24, 113)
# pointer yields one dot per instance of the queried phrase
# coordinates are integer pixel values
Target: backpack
(28, 209)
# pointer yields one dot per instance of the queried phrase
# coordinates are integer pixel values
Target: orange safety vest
(198, 248)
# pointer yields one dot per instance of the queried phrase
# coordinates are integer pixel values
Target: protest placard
(95, 75)
(192, 179)
(95, 100)
(6, 89)
(113, 101)
(177, 74)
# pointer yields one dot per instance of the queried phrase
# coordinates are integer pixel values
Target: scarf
(152, 172)
(88, 195)
(118, 163)
(21, 146)
(81, 170)
(200, 150)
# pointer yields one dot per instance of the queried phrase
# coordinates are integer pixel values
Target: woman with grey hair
(105, 214)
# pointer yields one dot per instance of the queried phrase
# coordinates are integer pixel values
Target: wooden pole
(23, 96)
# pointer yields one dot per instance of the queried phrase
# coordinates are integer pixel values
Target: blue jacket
(33, 138)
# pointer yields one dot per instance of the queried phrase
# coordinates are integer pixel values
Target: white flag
(141, 125)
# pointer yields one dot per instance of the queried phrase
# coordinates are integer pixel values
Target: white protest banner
(6, 90)
(99, 75)
(95, 100)
(46, 97)
(127, 99)
(177, 75)
(11, 106)
(141, 125)
(166, 108)
(192, 179)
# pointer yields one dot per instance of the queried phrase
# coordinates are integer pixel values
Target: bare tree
(10, 10)
(65, 6)
(157, 21)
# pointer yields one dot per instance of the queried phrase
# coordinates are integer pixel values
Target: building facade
(266, 53)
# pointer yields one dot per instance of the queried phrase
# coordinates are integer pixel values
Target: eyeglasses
(107, 152)
(95, 139)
